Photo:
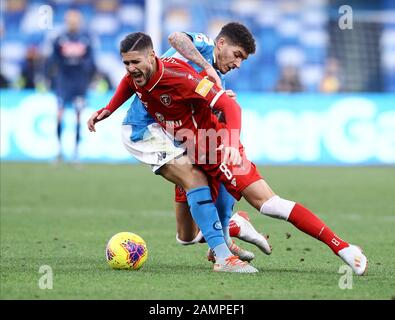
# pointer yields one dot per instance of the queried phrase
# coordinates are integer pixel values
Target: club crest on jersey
(165, 99)
(204, 87)
(159, 116)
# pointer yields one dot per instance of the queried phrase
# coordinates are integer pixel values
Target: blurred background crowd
(300, 47)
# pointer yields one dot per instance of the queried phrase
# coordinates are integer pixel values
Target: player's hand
(231, 94)
(231, 155)
(213, 75)
(96, 117)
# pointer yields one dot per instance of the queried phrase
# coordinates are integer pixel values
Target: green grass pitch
(62, 216)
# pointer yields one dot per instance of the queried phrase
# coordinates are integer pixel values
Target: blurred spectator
(4, 83)
(16, 5)
(31, 73)
(71, 69)
(289, 80)
(3, 80)
(101, 82)
(106, 5)
(331, 80)
(177, 19)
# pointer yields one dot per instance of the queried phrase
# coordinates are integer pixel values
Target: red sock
(309, 223)
(234, 229)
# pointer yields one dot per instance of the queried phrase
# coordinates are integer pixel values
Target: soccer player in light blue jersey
(148, 142)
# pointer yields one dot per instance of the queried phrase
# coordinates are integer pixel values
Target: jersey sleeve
(204, 92)
(201, 41)
(203, 44)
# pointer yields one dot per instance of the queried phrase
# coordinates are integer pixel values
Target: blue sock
(222, 251)
(225, 203)
(205, 215)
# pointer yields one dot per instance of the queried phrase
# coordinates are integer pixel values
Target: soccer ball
(126, 250)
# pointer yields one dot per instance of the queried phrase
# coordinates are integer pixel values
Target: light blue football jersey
(137, 116)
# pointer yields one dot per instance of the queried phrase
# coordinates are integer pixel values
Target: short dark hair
(136, 41)
(238, 35)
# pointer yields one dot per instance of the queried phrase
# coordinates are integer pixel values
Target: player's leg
(241, 227)
(239, 224)
(182, 173)
(246, 181)
(225, 203)
(59, 127)
(187, 230)
(79, 105)
(151, 145)
(260, 195)
(189, 233)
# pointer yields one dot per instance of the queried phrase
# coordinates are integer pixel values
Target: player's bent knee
(277, 207)
(184, 175)
(198, 178)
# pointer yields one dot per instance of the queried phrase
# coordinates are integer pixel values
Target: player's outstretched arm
(123, 92)
(96, 117)
(184, 46)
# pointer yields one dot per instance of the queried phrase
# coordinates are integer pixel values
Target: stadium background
(334, 106)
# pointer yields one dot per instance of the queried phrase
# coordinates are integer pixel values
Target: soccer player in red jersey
(188, 118)
(233, 45)
(148, 142)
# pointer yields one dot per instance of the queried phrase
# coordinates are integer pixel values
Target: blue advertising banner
(307, 129)
(319, 129)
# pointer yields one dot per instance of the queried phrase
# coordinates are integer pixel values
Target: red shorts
(235, 179)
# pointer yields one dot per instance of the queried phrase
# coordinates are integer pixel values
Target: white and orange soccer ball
(126, 250)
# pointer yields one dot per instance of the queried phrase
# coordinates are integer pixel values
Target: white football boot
(233, 264)
(353, 256)
(244, 255)
(248, 233)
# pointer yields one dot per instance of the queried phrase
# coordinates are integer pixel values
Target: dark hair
(238, 35)
(136, 42)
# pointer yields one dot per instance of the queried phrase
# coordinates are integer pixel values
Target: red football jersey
(179, 99)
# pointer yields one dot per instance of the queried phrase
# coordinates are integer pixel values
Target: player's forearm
(184, 46)
(122, 94)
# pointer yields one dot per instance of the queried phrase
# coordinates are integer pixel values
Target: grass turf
(62, 216)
